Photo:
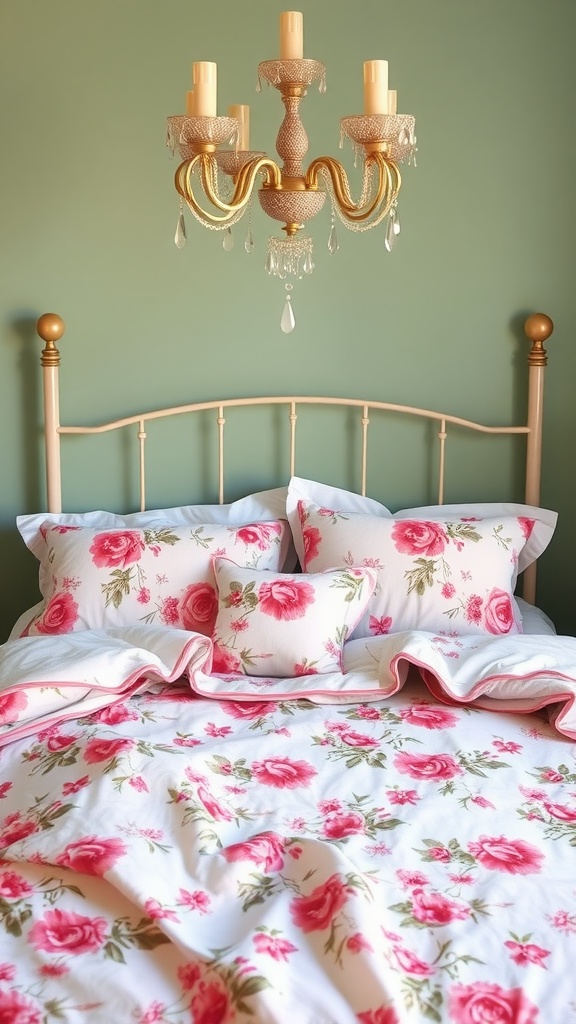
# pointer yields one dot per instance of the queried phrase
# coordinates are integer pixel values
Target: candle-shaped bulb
(204, 74)
(190, 111)
(242, 113)
(291, 35)
(392, 101)
(375, 86)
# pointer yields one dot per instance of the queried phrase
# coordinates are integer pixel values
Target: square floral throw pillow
(287, 625)
(443, 576)
(162, 574)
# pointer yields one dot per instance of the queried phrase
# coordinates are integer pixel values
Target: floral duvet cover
(178, 859)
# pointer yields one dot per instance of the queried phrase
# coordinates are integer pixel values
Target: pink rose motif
(382, 1015)
(286, 598)
(117, 549)
(14, 828)
(10, 705)
(188, 976)
(514, 856)
(62, 931)
(274, 946)
(259, 534)
(224, 661)
(432, 908)
(526, 525)
(97, 750)
(431, 767)
(473, 611)
(14, 1007)
(311, 540)
(210, 1004)
(114, 714)
(266, 850)
(250, 709)
(381, 626)
(338, 826)
(498, 613)
(92, 855)
(283, 773)
(357, 739)
(315, 912)
(418, 537)
(410, 963)
(440, 853)
(198, 608)
(527, 953)
(561, 812)
(59, 616)
(13, 886)
(58, 742)
(429, 717)
(213, 806)
(484, 1003)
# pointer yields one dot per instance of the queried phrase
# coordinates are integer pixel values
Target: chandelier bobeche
(288, 193)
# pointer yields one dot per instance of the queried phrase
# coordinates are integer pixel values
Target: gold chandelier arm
(389, 182)
(208, 176)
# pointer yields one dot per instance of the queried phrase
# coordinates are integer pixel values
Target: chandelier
(226, 177)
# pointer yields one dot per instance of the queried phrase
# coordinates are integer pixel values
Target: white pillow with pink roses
(160, 574)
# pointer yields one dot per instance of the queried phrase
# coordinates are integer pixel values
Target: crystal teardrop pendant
(180, 235)
(391, 236)
(288, 322)
(333, 243)
(228, 242)
(249, 241)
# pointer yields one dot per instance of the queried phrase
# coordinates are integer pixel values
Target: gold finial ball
(50, 327)
(538, 327)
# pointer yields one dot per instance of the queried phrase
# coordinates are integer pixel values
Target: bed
(291, 758)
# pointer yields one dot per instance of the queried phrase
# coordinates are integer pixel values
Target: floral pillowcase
(444, 576)
(161, 574)
(286, 625)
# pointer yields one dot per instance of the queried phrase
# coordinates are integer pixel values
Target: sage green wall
(88, 212)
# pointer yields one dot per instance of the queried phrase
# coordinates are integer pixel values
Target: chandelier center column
(292, 140)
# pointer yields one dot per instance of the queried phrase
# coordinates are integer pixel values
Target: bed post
(538, 329)
(50, 328)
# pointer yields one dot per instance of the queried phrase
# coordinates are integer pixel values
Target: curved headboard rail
(538, 329)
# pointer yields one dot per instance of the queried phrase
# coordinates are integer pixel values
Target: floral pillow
(161, 574)
(452, 576)
(279, 624)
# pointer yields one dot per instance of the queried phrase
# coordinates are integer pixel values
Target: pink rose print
(417, 537)
(7, 973)
(251, 709)
(524, 953)
(283, 773)
(114, 714)
(561, 812)
(15, 1007)
(198, 608)
(92, 855)
(10, 705)
(210, 1004)
(117, 549)
(498, 614)
(213, 806)
(526, 525)
(266, 850)
(338, 826)
(273, 946)
(224, 661)
(473, 611)
(429, 767)
(410, 963)
(315, 913)
(13, 886)
(432, 908)
(259, 534)
(286, 599)
(356, 943)
(311, 539)
(514, 856)
(188, 976)
(14, 828)
(59, 616)
(62, 931)
(484, 1003)
(383, 1015)
(380, 627)
(429, 717)
(97, 750)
